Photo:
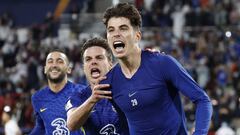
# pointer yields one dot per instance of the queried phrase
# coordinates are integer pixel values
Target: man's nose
(54, 64)
(116, 33)
(93, 62)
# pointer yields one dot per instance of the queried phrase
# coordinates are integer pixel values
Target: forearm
(203, 117)
(79, 116)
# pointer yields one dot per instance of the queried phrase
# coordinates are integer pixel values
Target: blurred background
(204, 35)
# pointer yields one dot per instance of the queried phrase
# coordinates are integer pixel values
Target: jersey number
(134, 102)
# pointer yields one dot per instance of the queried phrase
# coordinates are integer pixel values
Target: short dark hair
(123, 10)
(60, 50)
(55, 49)
(100, 42)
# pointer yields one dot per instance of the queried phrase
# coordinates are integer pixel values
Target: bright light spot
(7, 109)
(214, 102)
(228, 34)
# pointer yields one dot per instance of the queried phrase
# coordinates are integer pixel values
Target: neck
(57, 87)
(131, 63)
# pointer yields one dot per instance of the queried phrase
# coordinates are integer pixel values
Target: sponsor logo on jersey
(132, 94)
(43, 109)
(60, 127)
(109, 129)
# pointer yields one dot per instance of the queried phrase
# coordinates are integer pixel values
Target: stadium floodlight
(228, 34)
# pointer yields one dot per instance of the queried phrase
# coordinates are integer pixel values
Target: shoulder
(157, 58)
(73, 87)
(153, 55)
(115, 70)
(80, 86)
(84, 92)
(77, 98)
(38, 97)
(40, 94)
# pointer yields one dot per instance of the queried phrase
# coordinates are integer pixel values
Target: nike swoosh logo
(131, 94)
(43, 109)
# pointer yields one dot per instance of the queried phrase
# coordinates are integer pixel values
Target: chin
(120, 56)
(93, 79)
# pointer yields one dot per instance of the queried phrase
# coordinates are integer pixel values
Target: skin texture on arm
(76, 117)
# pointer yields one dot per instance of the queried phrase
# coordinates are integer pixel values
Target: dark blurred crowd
(204, 35)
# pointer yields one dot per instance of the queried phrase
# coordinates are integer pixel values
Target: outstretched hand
(100, 91)
(154, 50)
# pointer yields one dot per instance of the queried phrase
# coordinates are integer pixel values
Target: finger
(104, 96)
(163, 52)
(103, 92)
(148, 49)
(154, 50)
(100, 79)
(96, 81)
(101, 86)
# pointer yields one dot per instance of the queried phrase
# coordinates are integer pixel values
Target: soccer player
(146, 86)
(49, 102)
(92, 109)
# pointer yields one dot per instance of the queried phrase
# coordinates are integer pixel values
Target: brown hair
(97, 41)
(123, 10)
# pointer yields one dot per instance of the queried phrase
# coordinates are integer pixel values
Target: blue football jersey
(50, 111)
(103, 120)
(151, 101)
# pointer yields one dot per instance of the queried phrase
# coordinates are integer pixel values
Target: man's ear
(110, 63)
(69, 70)
(45, 71)
(138, 35)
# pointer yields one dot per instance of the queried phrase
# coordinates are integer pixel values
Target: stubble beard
(59, 79)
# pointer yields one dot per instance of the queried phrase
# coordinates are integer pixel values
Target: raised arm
(77, 116)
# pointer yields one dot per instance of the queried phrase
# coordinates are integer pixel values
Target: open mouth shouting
(118, 46)
(95, 73)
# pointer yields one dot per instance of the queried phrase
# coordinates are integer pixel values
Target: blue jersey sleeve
(77, 98)
(179, 77)
(39, 127)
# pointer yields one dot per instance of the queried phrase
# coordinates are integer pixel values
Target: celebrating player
(48, 103)
(92, 109)
(146, 86)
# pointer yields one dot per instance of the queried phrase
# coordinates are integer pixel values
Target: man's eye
(88, 59)
(100, 57)
(124, 28)
(60, 61)
(50, 62)
(110, 30)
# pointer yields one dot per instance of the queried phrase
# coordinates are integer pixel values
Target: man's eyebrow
(110, 27)
(49, 59)
(123, 25)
